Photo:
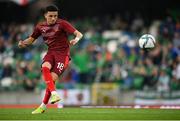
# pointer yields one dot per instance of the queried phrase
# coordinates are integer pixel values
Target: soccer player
(55, 34)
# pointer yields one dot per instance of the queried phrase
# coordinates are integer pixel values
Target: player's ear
(45, 15)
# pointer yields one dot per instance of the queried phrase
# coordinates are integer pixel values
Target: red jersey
(56, 35)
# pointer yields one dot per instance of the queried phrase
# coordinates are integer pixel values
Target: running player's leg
(46, 66)
(42, 107)
(47, 92)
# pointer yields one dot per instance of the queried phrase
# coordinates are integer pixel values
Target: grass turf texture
(91, 114)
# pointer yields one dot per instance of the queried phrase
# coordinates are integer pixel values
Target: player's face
(51, 17)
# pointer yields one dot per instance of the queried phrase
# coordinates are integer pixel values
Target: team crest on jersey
(44, 29)
(50, 31)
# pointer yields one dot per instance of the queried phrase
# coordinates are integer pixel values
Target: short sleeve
(68, 27)
(36, 33)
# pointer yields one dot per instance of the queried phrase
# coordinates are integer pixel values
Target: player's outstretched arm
(78, 35)
(26, 42)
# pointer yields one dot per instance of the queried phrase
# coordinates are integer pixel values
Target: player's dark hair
(51, 8)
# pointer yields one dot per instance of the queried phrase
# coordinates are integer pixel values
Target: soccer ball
(147, 41)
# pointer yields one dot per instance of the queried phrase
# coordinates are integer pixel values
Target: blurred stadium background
(107, 66)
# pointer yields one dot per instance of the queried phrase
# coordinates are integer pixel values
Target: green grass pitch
(91, 114)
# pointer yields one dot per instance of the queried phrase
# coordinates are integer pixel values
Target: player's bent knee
(46, 64)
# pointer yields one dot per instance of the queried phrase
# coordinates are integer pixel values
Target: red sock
(48, 79)
(47, 96)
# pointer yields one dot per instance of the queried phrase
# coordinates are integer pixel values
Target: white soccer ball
(147, 41)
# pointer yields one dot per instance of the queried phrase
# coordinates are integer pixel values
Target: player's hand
(21, 44)
(73, 42)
